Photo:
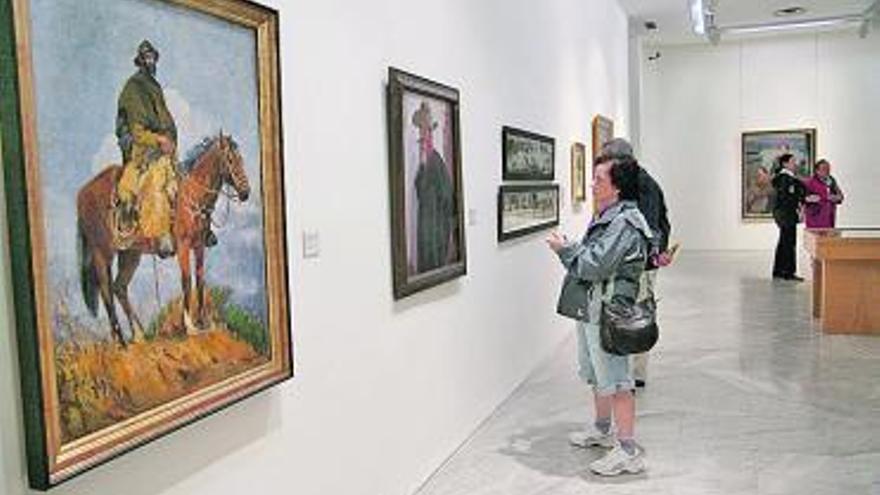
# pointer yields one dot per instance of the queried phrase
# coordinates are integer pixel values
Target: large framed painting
(143, 170)
(760, 155)
(578, 173)
(528, 208)
(427, 199)
(603, 131)
(527, 155)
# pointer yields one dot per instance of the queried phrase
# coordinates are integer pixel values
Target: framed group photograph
(527, 155)
(427, 205)
(524, 209)
(578, 173)
(141, 145)
(760, 161)
(603, 131)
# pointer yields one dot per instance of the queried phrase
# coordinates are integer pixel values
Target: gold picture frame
(578, 173)
(70, 426)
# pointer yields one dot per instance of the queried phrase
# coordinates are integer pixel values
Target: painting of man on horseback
(150, 132)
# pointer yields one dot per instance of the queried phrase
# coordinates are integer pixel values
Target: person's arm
(649, 205)
(599, 258)
(836, 192)
(812, 193)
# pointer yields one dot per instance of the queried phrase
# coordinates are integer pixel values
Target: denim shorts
(608, 373)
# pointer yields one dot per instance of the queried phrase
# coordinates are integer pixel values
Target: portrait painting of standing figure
(146, 212)
(427, 220)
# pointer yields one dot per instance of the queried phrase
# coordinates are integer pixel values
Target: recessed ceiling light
(790, 11)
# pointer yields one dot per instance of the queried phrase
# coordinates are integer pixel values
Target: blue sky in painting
(82, 53)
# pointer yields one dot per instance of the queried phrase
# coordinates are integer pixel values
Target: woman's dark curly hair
(624, 175)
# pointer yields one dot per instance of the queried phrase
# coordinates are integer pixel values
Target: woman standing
(790, 197)
(822, 187)
(609, 262)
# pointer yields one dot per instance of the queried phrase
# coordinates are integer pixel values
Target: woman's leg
(624, 414)
(604, 405)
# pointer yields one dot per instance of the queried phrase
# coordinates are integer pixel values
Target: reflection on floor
(744, 396)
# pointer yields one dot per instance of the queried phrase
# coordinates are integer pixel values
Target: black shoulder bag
(628, 327)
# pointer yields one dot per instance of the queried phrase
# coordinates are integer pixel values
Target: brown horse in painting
(215, 164)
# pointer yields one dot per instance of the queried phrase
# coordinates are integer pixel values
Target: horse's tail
(87, 280)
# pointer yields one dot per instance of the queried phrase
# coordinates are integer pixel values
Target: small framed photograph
(527, 155)
(760, 153)
(523, 209)
(427, 205)
(578, 173)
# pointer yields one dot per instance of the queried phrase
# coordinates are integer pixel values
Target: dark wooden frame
(578, 192)
(507, 174)
(601, 125)
(49, 461)
(519, 188)
(810, 134)
(400, 82)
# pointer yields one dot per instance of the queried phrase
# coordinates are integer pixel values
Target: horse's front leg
(104, 276)
(127, 264)
(201, 320)
(183, 250)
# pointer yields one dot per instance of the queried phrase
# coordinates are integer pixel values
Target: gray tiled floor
(745, 396)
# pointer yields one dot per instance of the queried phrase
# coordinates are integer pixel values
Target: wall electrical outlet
(311, 244)
(472, 216)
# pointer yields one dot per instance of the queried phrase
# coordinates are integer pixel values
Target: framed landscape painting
(578, 172)
(427, 217)
(143, 170)
(524, 209)
(760, 154)
(526, 155)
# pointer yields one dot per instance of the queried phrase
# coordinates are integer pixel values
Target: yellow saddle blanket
(152, 191)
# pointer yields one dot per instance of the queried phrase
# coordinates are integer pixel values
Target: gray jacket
(611, 256)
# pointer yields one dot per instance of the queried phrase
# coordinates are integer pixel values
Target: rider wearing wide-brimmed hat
(147, 138)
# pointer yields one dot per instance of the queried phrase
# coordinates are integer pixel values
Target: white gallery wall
(697, 100)
(384, 391)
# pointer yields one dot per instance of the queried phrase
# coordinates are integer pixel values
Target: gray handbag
(574, 299)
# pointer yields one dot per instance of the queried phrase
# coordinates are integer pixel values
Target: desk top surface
(848, 233)
(844, 243)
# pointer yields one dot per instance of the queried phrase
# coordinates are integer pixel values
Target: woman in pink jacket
(823, 196)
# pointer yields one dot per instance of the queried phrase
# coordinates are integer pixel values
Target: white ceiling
(673, 19)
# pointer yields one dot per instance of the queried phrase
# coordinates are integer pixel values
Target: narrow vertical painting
(603, 131)
(760, 161)
(427, 221)
(142, 162)
(578, 173)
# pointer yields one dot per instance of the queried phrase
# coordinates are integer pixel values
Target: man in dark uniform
(436, 214)
(790, 197)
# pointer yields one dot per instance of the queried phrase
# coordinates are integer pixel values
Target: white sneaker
(591, 437)
(618, 461)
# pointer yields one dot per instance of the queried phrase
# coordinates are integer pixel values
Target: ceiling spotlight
(702, 16)
(650, 25)
(790, 11)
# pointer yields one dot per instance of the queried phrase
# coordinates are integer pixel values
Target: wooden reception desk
(846, 279)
